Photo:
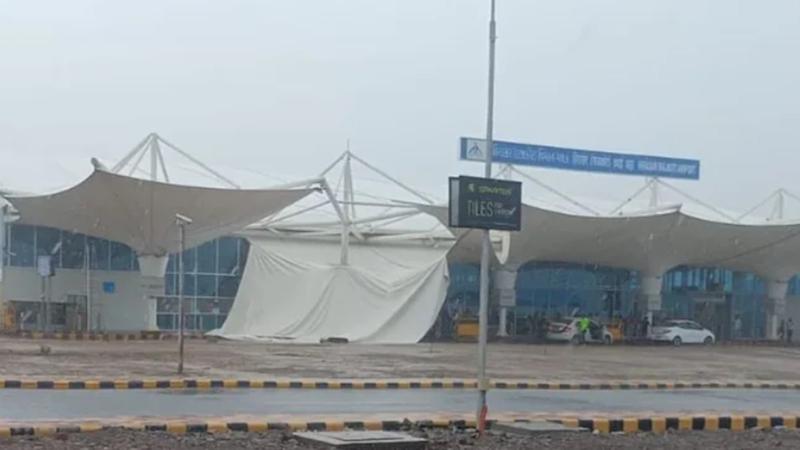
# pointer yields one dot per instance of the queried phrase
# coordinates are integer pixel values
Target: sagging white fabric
(296, 290)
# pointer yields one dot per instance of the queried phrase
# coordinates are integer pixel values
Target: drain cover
(363, 440)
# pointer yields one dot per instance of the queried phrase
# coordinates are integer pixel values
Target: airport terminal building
(213, 271)
(111, 247)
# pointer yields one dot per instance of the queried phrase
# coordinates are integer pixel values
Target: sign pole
(88, 261)
(3, 252)
(181, 221)
(43, 306)
(181, 232)
(3, 212)
(486, 247)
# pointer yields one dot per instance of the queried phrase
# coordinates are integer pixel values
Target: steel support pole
(3, 213)
(42, 304)
(88, 260)
(3, 252)
(346, 222)
(654, 194)
(486, 248)
(182, 240)
(154, 160)
(48, 307)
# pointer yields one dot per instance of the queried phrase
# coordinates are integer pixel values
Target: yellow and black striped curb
(248, 426)
(236, 384)
(601, 425)
(107, 337)
(202, 383)
(629, 385)
(683, 423)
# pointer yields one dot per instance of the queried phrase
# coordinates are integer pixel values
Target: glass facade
(711, 296)
(558, 289)
(27, 242)
(212, 270)
(715, 296)
(211, 276)
(553, 288)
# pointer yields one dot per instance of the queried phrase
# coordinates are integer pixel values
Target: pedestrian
(541, 327)
(583, 328)
(456, 318)
(645, 326)
(789, 330)
(737, 327)
(782, 330)
(628, 326)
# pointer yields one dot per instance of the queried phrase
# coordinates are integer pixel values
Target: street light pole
(486, 247)
(3, 252)
(181, 221)
(88, 261)
(3, 214)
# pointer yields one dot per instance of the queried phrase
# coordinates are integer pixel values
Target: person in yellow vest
(583, 328)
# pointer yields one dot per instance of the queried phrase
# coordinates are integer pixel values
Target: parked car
(680, 332)
(566, 330)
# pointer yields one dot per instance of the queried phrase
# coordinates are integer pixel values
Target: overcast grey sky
(280, 86)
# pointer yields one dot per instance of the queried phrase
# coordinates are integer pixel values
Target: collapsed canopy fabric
(651, 243)
(296, 290)
(141, 213)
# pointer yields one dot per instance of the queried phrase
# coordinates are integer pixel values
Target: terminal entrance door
(714, 313)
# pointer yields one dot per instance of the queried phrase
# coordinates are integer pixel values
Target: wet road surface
(19, 405)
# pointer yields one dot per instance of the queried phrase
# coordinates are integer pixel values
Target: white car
(682, 332)
(566, 330)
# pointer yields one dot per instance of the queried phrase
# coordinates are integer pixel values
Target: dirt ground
(139, 359)
(122, 439)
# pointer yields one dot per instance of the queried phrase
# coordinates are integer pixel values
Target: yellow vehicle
(467, 328)
(617, 334)
(9, 316)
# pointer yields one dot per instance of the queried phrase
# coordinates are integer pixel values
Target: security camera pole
(483, 315)
(181, 221)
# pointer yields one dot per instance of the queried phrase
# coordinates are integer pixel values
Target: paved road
(23, 405)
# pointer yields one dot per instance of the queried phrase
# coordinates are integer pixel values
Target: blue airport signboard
(582, 160)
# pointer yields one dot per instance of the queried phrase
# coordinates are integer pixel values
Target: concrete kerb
(617, 424)
(661, 424)
(222, 426)
(390, 384)
(98, 336)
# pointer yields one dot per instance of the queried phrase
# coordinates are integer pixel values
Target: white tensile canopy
(141, 213)
(363, 277)
(296, 289)
(651, 243)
